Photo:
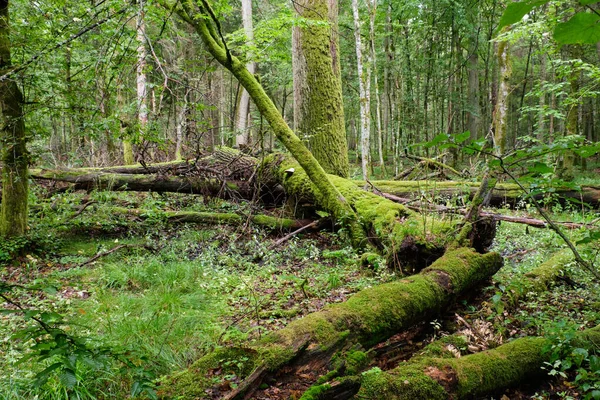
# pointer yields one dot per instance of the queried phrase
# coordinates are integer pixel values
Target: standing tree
(13, 140)
(364, 87)
(242, 136)
(318, 105)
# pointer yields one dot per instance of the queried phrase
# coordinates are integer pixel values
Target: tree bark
(318, 104)
(501, 110)
(364, 88)
(242, 134)
(367, 318)
(13, 142)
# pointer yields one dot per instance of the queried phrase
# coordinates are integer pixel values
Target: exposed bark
(242, 134)
(368, 317)
(501, 110)
(142, 53)
(318, 103)
(13, 142)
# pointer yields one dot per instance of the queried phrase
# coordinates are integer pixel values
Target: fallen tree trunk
(533, 222)
(503, 193)
(85, 180)
(308, 344)
(409, 240)
(197, 217)
(470, 376)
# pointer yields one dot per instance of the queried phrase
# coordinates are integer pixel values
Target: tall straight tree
(501, 110)
(242, 136)
(318, 105)
(142, 82)
(13, 140)
(364, 88)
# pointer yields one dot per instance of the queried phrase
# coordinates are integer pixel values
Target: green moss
(411, 383)
(315, 392)
(194, 381)
(439, 348)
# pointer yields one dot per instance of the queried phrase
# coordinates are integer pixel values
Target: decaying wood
(533, 222)
(107, 252)
(366, 318)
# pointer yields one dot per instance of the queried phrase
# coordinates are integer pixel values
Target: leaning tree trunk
(201, 18)
(13, 141)
(310, 343)
(318, 103)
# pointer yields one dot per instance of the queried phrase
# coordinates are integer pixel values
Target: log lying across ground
(197, 217)
(503, 193)
(308, 344)
(409, 240)
(467, 377)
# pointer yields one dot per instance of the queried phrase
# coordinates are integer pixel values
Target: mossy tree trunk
(501, 110)
(318, 104)
(203, 20)
(13, 142)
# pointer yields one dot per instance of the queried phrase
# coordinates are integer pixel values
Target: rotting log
(308, 344)
(198, 217)
(503, 193)
(85, 180)
(533, 222)
(467, 377)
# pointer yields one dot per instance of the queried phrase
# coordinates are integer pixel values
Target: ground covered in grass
(175, 292)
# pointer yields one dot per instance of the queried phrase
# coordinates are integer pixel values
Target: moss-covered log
(196, 217)
(503, 193)
(410, 240)
(467, 377)
(367, 318)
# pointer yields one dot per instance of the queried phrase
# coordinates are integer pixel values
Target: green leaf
(516, 11)
(583, 27)
(541, 168)
(586, 2)
(68, 378)
(461, 137)
(43, 376)
(442, 137)
(591, 237)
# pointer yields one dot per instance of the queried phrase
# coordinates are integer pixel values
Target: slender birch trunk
(372, 4)
(242, 135)
(142, 87)
(501, 111)
(364, 88)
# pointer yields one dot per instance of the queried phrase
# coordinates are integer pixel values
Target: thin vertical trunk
(474, 111)
(541, 125)
(242, 135)
(142, 87)
(364, 88)
(372, 4)
(181, 126)
(13, 142)
(501, 111)
(566, 170)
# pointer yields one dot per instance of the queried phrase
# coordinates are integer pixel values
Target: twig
(292, 234)
(107, 252)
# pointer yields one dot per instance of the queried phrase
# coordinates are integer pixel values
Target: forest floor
(175, 292)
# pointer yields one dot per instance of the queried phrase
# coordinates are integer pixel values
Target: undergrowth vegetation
(172, 293)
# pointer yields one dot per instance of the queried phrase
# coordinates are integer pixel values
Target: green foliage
(565, 356)
(580, 28)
